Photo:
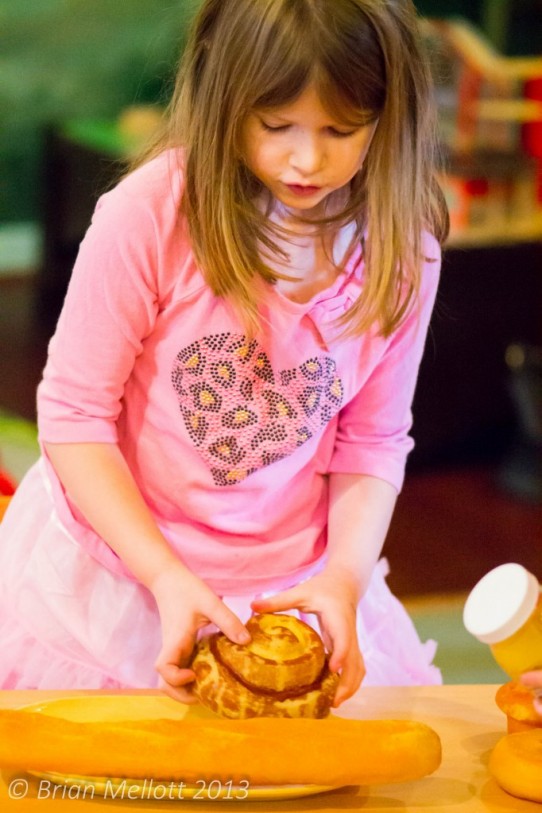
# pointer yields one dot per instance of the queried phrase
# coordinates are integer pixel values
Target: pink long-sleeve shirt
(229, 440)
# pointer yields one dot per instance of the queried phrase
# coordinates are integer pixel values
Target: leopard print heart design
(243, 415)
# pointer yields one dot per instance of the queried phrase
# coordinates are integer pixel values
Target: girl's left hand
(533, 680)
(333, 597)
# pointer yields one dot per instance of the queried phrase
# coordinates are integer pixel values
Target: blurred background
(83, 84)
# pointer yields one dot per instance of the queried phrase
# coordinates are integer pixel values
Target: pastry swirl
(282, 672)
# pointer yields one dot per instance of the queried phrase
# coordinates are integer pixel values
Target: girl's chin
(300, 208)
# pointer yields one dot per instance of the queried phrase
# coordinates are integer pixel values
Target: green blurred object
(460, 657)
(19, 447)
(101, 135)
(64, 59)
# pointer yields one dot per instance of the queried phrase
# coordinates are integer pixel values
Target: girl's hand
(186, 605)
(534, 681)
(332, 596)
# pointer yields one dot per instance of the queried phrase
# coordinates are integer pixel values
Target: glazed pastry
(515, 764)
(516, 701)
(282, 672)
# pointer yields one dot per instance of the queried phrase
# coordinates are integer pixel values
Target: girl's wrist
(163, 563)
(354, 583)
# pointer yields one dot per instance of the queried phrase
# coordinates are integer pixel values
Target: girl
(225, 409)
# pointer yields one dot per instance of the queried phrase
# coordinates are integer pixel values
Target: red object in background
(7, 485)
(477, 187)
(531, 132)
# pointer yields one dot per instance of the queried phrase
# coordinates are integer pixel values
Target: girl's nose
(307, 156)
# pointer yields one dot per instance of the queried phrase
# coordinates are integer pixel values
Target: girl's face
(301, 154)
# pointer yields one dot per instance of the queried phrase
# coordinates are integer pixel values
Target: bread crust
(285, 654)
(265, 751)
(283, 672)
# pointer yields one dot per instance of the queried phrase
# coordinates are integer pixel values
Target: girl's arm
(360, 511)
(97, 479)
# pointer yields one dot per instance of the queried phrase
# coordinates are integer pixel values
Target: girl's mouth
(302, 191)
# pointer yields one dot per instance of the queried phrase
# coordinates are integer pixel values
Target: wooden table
(465, 717)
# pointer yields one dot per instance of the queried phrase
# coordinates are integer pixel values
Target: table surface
(465, 717)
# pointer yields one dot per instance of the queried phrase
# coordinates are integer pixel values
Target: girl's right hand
(186, 605)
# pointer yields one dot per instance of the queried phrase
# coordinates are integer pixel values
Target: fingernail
(243, 638)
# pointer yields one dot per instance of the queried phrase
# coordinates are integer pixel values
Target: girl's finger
(172, 662)
(345, 658)
(175, 675)
(326, 638)
(339, 636)
(287, 600)
(181, 694)
(229, 623)
(352, 675)
(340, 649)
(532, 679)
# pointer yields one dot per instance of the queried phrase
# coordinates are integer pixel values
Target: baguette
(266, 751)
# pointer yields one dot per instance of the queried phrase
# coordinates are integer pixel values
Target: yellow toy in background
(504, 610)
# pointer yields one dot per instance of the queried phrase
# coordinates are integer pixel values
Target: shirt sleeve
(110, 308)
(373, 430)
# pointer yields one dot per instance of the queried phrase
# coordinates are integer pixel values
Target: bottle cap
(501, 603)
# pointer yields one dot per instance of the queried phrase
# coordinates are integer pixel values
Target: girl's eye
(280, 128)
(341, 133)
(273, 129)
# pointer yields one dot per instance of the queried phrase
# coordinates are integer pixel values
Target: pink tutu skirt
(68, 623)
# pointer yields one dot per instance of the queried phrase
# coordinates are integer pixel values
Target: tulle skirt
(68, 623)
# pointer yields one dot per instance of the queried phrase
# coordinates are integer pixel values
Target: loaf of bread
(516, 701)
(282, 672)
(516, 764)
(265, 751)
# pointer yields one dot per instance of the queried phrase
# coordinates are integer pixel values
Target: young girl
(225, 409)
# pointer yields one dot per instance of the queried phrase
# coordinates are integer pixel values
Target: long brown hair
(364, 57)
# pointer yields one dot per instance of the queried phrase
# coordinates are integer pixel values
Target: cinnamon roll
(282, 672)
